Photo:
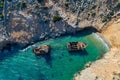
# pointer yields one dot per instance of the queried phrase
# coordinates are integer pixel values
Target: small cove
(58, 65)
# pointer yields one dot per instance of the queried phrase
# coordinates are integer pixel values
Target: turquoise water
(59, 65)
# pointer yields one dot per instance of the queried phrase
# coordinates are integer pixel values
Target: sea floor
(58, 65)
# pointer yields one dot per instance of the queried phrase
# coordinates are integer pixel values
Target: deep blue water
(58, 65)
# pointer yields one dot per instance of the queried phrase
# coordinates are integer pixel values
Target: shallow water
(58, 65)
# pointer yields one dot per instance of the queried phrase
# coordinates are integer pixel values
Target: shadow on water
(8, 50)
(84, 32)
(4, 55)
(80, 53)
(47, 57)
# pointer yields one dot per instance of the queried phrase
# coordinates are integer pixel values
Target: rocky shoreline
(20, 46)
(108, 67)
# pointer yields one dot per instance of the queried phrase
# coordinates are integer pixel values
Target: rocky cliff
(28, 21)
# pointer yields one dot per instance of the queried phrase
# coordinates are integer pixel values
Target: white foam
(102, 40)
(27, 48)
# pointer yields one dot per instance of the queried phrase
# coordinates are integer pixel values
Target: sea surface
(58, 65)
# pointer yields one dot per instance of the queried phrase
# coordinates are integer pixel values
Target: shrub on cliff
(1, 16)
(56, 18)
(1, 4)
(118, 5)
(39, 1)
(23, 5)
(93, 14)
(108, 17)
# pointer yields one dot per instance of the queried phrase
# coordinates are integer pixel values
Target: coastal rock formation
(107, 68)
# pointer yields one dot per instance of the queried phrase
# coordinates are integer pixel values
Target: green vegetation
(2, 0)
(45, 20)
(38, 13)
(93, 14)
(1, 16)
(39, 1)
(104, 19)
(118, 5)
(1, 7)
(23, 5)
(108, 17)
(56, 18)
(111, 13)
(94, 6)
(44, 7)
(67, 4)
(1, 4)
(36, 6)
(10, 8)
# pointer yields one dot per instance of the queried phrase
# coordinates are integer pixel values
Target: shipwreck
(76, 46)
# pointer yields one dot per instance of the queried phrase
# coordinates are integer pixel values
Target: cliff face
(32, 20)
(82, 13)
